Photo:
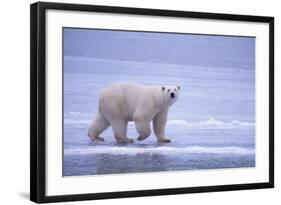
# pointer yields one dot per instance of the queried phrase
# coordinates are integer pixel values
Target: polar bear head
(170, 94)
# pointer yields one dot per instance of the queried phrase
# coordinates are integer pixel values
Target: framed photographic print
(129, 102)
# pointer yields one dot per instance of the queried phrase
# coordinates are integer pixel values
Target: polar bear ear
(163, 88)
(179, 87)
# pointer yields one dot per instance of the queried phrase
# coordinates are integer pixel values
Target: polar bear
(124, 102)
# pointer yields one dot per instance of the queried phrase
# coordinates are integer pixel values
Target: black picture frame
(38, 101)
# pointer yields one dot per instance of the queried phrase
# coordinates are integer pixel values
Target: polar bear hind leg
(119, 128)
(97, 127)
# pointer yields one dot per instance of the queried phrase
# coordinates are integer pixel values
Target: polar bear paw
(140, 138)
(97, 139)
(164, 140)
(125, 141)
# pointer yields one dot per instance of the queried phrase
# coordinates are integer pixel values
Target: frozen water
(212, 125)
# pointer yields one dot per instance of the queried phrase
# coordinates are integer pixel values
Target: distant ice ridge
(77, 118)
(211, 123)
(76, 122)
(88, 58)
(159, 150)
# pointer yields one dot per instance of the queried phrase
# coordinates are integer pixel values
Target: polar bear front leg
(159, 124)
(119, 128)
(143, 128)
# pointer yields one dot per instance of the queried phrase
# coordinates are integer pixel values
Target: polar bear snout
(172, 95)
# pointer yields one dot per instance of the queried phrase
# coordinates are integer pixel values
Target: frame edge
(271, 102)
(33, 103)
(154, 12)
(37, 102)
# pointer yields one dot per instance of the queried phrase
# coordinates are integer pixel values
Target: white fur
(123, 102)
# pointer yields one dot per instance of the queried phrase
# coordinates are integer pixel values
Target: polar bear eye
(168, 90)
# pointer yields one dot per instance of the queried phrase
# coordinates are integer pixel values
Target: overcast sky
(158, 47)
